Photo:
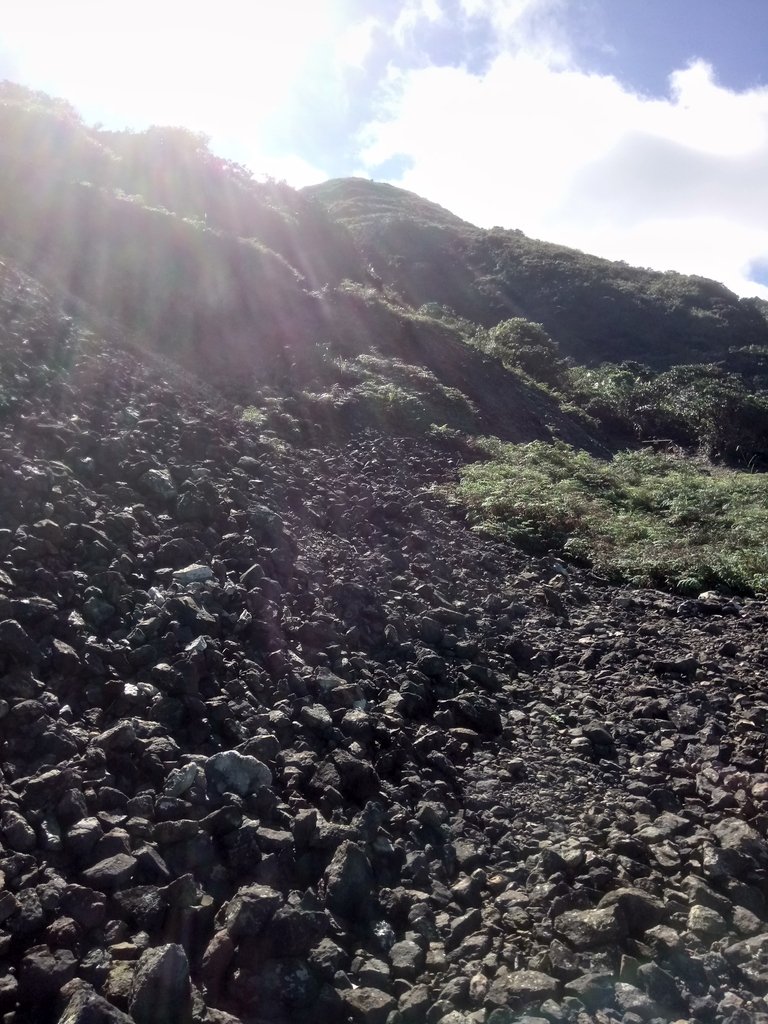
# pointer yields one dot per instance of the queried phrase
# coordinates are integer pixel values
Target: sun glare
(232, 67)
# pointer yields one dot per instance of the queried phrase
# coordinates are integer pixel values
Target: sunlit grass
(253, 416)
(647, 518)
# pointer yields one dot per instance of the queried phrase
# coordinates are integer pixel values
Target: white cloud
(674, 183)
(532, 141)
(523, 26)
(240, 75)
(502, 12)
(232, 72)
(293, 169)
(355, 42)
(413, 13)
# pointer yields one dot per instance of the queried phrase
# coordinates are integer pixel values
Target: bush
(698, 406)
(374, 391)
(253, 416)
(523, 345)
(643, 517)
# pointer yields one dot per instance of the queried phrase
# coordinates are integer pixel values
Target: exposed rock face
(364, 770)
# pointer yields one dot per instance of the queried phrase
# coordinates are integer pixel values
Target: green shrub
(643, 517)
(254, 416)
(698, 406)
(371, 390)
(523, 345)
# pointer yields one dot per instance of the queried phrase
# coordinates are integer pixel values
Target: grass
(350, 395)
(646, 518)
(371, 390)
(254, 416)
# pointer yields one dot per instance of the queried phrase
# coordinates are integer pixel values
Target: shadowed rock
(161, 989)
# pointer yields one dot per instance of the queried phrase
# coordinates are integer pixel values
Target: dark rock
(217, 959)
(631, 1000)
(82, 836)
(519, 988)
(249, 911)
(232, 772)
(368, 1005)
(16, 643)
(143, 907)
(284, 984)
(243, 849)
(293, 932)
(43, 973)
(85, 906)
(349, 883)
(326, 959)
(161, 988)
(97, 611)
(662, 988)
(737, 836)
(407, 960)
(590, 929)
(9, 992)
(111, 873)
(413, 1004)
(461, 927)
(639, 909)
(17, 832)
(158, 483)
(594, 990)
(82, 1005)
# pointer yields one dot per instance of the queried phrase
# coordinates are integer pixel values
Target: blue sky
(642, 41)
(635, 129)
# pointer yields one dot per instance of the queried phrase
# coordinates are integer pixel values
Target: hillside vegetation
(355, 305)
(596, 309)
(655, 520)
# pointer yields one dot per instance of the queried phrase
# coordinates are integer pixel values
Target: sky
(633, 129)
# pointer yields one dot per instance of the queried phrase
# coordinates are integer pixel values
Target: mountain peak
(361, 199)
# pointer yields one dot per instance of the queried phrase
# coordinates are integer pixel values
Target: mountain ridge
(512, 275)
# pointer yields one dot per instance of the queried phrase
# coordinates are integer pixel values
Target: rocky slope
(283, 740)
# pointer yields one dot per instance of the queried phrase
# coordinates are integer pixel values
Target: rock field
(284, 741)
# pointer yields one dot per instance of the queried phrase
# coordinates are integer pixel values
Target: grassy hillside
(594, 308)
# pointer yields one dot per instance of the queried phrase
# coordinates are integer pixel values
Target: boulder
(161, 989)
(233, 772)
(349, 882)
